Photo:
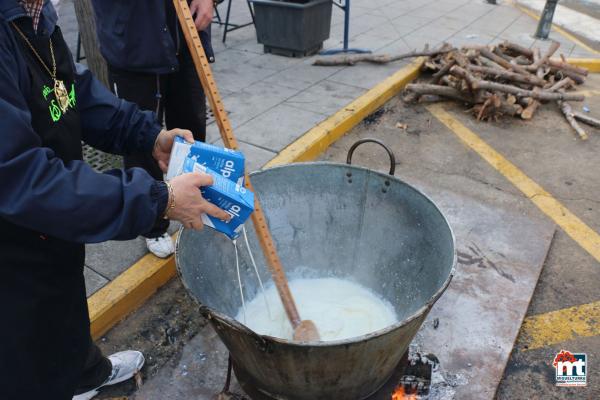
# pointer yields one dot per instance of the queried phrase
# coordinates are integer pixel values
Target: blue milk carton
(229, 163)
(179, 152)
(231, 196)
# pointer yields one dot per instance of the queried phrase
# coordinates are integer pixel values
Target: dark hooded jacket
(71, 201)
(142, 35)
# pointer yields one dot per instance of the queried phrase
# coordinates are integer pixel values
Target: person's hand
(164, 144)
(189, 203)
(202, 11)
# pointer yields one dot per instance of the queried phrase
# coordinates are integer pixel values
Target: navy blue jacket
(135, 35)
(71, 201)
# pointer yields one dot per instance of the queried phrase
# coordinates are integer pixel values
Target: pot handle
(379, 142)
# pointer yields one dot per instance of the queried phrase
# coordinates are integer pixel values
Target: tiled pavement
(272, 100)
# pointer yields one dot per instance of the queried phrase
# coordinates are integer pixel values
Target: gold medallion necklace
(60, 91)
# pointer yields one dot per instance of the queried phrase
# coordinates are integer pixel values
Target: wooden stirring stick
(303, 330)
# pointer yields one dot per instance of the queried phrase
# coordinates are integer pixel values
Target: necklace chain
(60, 91)
(53, 72)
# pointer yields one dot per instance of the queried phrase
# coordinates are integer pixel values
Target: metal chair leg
(251, 11)
(227, 21)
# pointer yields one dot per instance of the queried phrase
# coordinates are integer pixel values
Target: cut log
(567, 111)
(564, 83)
(438, 75)
(438, 90)
(531, 108)
(500, 61)
(539, 95)
(561, 74)
(517, 49)
(543, 60)
(532, 104)
(557, 65)
(508, 75)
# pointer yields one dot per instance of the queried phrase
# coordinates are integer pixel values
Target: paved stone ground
(273, 100)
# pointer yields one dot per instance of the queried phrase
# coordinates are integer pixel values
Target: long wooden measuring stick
(212, 93)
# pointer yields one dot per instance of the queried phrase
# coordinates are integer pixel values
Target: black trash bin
(293, 28)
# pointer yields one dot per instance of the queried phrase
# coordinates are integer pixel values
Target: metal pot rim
(232, 322)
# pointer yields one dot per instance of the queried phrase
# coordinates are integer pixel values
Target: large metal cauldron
(327, 220)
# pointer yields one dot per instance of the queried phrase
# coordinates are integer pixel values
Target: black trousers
(178, 101)
(45, 346)
(96, 371)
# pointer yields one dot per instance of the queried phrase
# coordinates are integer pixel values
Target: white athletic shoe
(161, 246)
(125, 364)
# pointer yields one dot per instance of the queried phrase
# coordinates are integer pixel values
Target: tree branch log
(515, 48)
(351, 59)
(444, 91)
(508, 75)
(567, 111)
(500, 87)
(586, 119)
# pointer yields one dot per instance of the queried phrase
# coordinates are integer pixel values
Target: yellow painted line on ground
(558, 29)
(314, 142)
(585, 236)
(128, 291)
(561, 325)
(592, 64)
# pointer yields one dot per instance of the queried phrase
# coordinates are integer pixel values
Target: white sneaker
(125, 364)
(161, 246)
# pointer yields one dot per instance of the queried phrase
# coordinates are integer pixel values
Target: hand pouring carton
(231, 196)
(226, 162)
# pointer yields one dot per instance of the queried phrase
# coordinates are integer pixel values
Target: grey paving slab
(522, 37)
(407, 24)
(252, 101)
(268, 131)
(230, 56)
(93, 281)
(301, 76)
(579, 51)
(491, 24)
(451, 22)
(113, 257)
(328, 97)
(237, 76)
(415, 41)
(274, 62)
(434, 32)
(365, 75)
(212, 133)
(372, 42)
(251, 45)
(256, 157)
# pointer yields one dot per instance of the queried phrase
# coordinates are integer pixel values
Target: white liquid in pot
(340, 309)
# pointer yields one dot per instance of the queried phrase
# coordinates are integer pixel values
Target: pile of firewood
(506, 79)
